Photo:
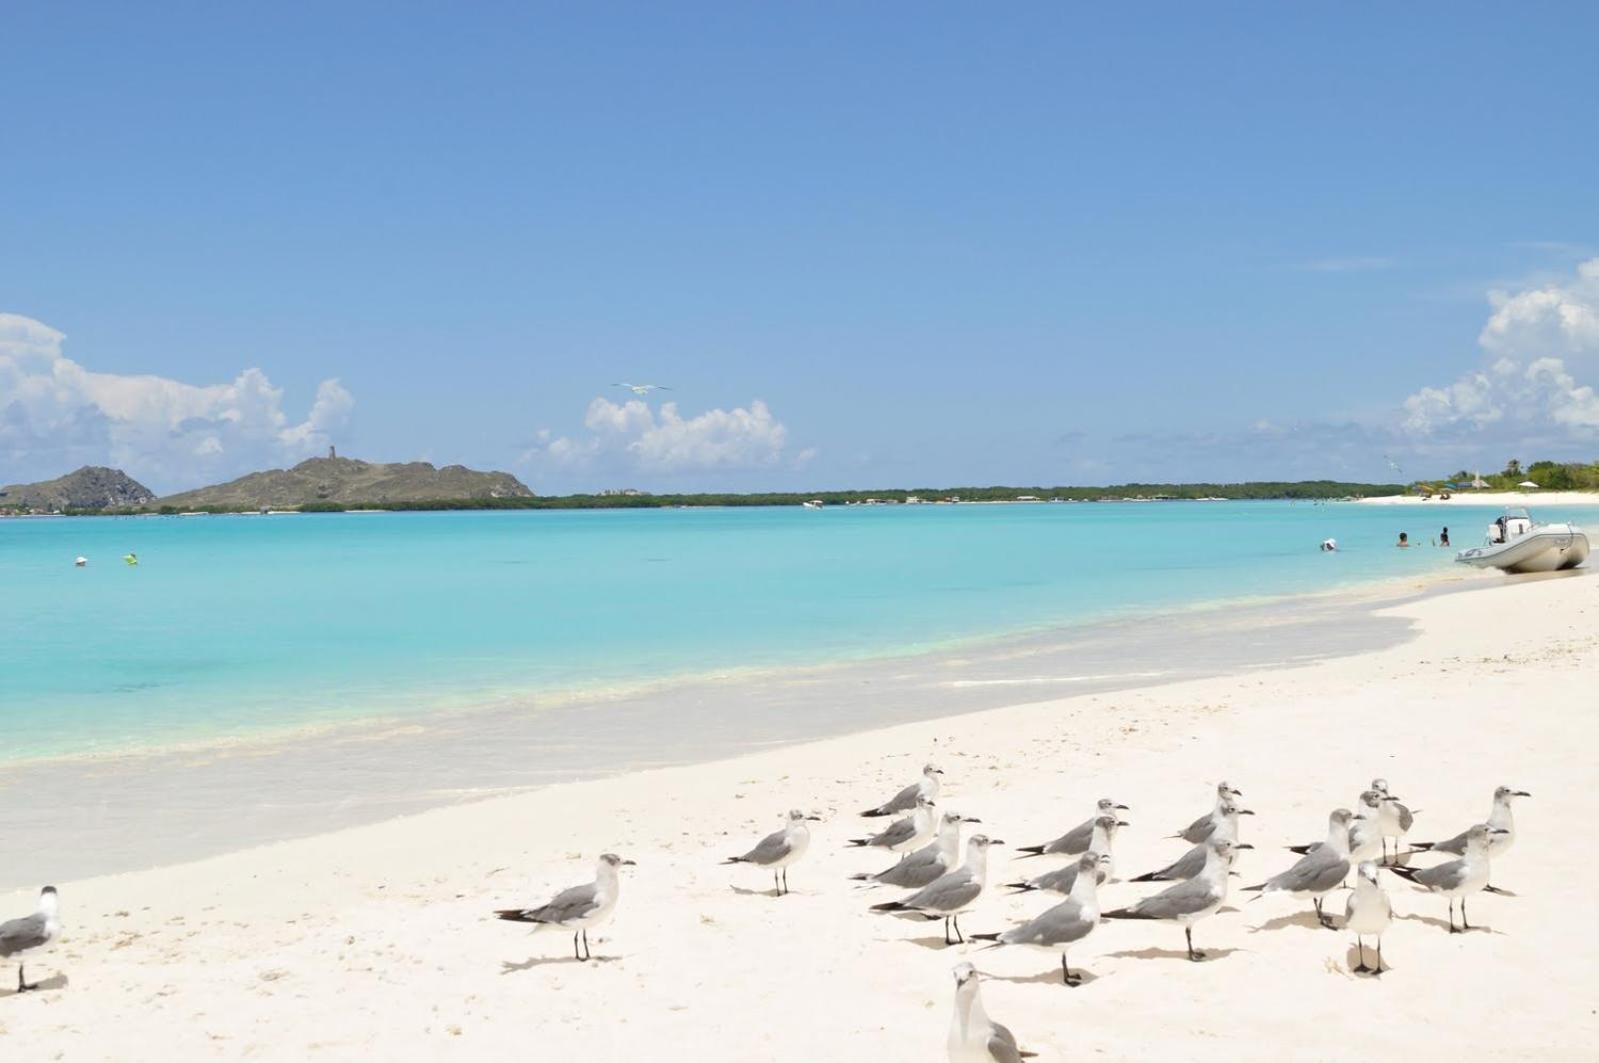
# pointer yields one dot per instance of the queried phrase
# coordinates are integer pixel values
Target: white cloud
(632, 436)
(1539, 340)
(55, 415)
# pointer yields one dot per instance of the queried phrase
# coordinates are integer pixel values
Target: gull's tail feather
(735, 860)
(993, 938)
(518, 915)
(860, 841)
(1406, 873)
(1032, 850)
(889, 906)
(879, 811)
(862, 877)
(1124, 913)
(1300, 849)
(1421, 847)
(1021, 887)
(1149, 876)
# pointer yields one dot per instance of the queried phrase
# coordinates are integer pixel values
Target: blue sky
(866, 245)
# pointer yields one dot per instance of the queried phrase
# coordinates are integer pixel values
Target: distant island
(335, 484)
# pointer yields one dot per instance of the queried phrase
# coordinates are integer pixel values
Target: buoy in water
(81, 562)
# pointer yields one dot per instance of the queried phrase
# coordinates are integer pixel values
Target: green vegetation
(1549, 475)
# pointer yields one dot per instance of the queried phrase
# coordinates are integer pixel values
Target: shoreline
(375, 941)
(365, 723)
(1502, 499)
(213, 798)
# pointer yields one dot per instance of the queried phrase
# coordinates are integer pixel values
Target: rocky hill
(91, 487)
(350, 482)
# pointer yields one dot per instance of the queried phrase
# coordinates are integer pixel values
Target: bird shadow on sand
(933, 943)
(1441, 924)
(742, 892)
(532, 963)
(1049, 977)
(55, 981)
(1352, 960)
(1170, 954)
(1307, 920)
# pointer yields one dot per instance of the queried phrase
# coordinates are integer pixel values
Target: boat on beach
(1516, 544)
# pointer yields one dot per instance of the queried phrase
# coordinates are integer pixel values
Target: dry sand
(1501, 499)
(375, 943)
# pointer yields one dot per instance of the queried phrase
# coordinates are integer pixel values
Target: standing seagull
(1396, 818)
(1368, 912)
(642, 390)
(973, 1036)
(951, 894)
(1080, 838)
(31, 932)
(917, 869)
(1365, 831)
(1061, 880)
(780, 849)
(1069, 921)
(1501, 818)
(904, 834)
(1458, 878)
(1192, 862)
(578, 908)
(1189, 902)
(927, 786)
(1202, 828)
(1319, 871)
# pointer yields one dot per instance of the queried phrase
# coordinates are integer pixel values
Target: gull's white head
(932, 769)
(796, 817)
(1226, 850)
(980, 843)
(1109, 824)
(612, 861)
(1088, 864)
(1340, 818)
(1504, 794)
(49, 903)
(965, 975)
(1380, 785)
(1109, 807)
(1368, 872)
(1230, 808)
(1225, 789)
(1370, 801)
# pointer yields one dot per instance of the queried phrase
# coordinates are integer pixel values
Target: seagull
(31, 932)
(1202, 828)
(1368, 912)
(1458, 878)
(952, 893)
(1069, 921)
(1396, 818)
(1365, 831)
(1189, 902)
(578, 908)
(927, 786)
(780, 849)
(1062, 879)
(973, 1036)
(1080, 838)
(642, 390)
(917, 869)
(1500, 818)
(1318, 872)
(1192, 862)
(904, 834)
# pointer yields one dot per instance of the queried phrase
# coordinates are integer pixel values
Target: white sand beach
(1525, 499)
(377, 942)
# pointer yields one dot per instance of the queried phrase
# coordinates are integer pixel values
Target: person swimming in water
(1404, 540)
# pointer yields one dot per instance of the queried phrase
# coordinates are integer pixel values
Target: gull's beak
(1498, 830)
(1392, 797)
(970, 819)
(1522, 793)
(1244, 845)
(1236, 792)
(630, 863)
(1246, 812)
(1123, 823)
(814, 819)
(1001, 841)
(938, 771)
(1123, 808)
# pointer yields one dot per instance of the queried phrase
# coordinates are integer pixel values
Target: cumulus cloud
(56, 414)
(1536, 344)
(632, 436)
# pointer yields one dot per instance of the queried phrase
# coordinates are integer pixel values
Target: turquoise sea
(235, 626)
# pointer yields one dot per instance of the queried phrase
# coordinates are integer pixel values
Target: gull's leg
(588, 953)
(1463, 924)
(1193, 953)
(1452, 929)
(576, 953)
(1360, 967)
(957, 921)
(785, 880)
(1379, 955)
(23, 986)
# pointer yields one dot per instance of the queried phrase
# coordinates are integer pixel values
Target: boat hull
(1548, 548)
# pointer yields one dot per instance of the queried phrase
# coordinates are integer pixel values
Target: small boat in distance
(815, 503)
(1516, 544)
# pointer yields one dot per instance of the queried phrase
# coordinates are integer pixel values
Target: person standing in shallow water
(1443, 537)
(1404, 539)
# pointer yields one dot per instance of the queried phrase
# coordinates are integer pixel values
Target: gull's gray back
(568, 904)
(1185, 898)
(770, 849)
(1074, 841)
(1316, 872)
(1002, 1045)
(921, 868)
(954, 890)
(19, 935)
(1060, 925)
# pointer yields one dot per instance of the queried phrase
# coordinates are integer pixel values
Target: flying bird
(642, 390)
